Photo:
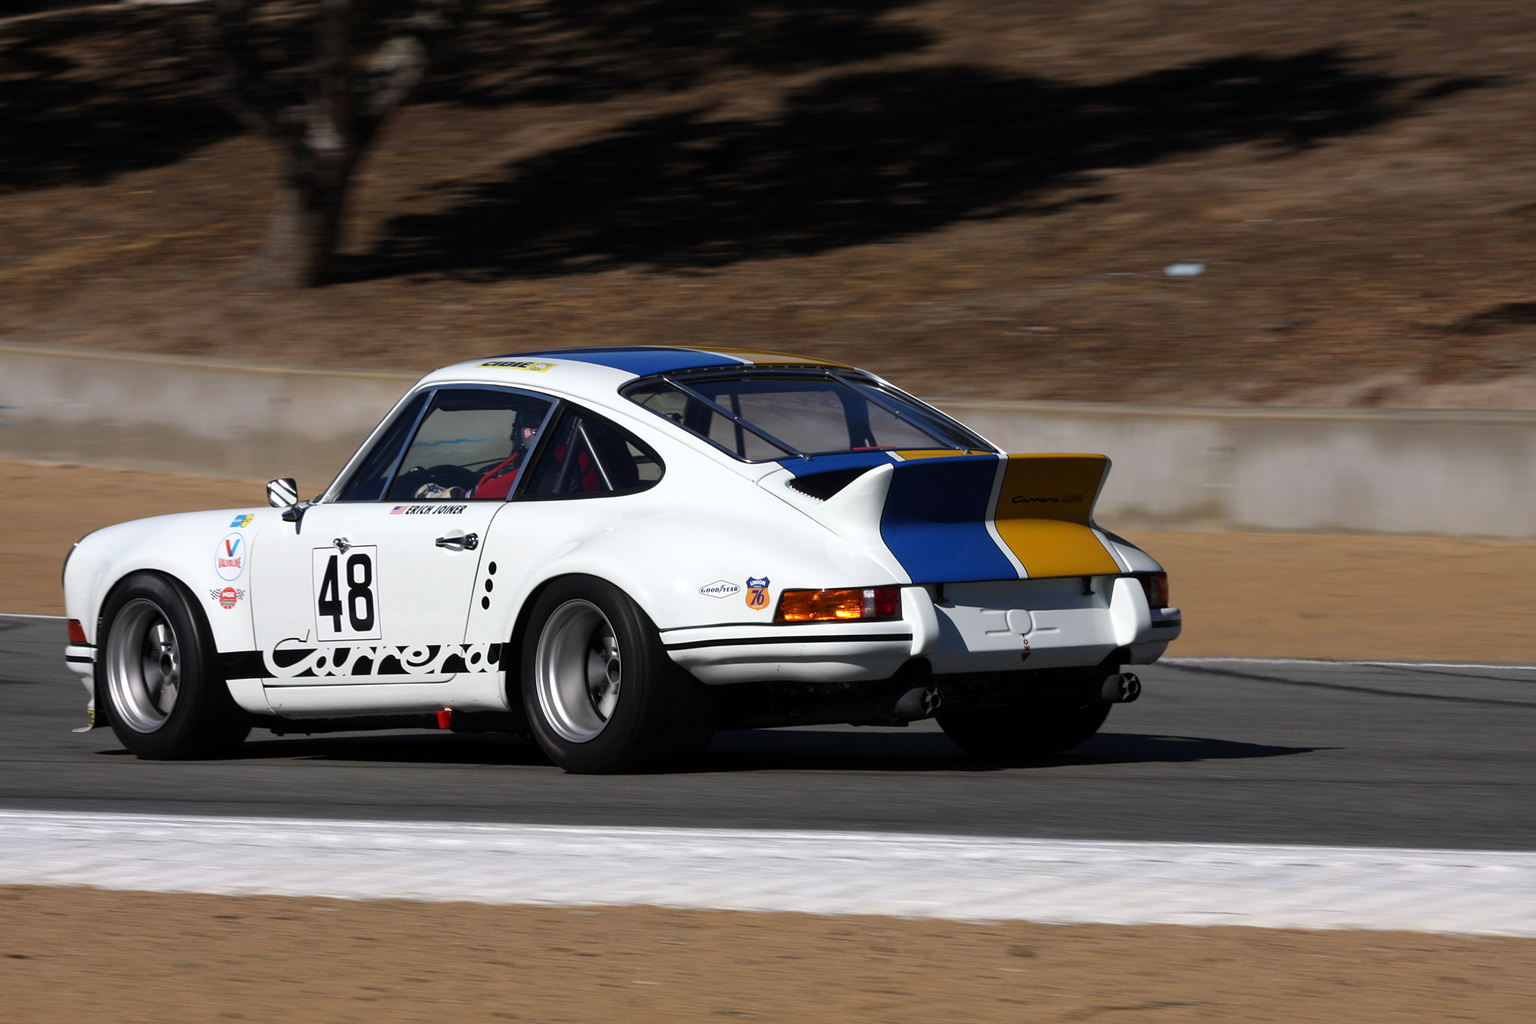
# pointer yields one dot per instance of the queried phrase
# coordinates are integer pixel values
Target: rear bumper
(81, 660)
(1004, 626)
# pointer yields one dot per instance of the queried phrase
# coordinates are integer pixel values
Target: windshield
(760, 416)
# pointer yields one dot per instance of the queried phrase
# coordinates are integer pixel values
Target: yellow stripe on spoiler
(1044, 510)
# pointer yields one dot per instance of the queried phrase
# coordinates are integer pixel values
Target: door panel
(387, 604)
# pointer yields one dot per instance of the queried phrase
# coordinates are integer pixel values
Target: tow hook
(1121, 688)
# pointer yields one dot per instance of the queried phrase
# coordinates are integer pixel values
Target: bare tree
(325, 127)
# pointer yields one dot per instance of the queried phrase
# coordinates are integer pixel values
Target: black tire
(599, 691)
(158, 674)
(1023, 729)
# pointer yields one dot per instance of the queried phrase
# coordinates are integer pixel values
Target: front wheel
(1023, 729)
(600, 692)
(164, 695)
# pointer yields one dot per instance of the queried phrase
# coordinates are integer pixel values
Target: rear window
(761, 416)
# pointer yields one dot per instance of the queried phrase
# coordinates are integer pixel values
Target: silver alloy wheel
(143, 666)
(578, 670)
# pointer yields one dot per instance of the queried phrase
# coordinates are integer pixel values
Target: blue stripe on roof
(935, 520)
(640, 361)
(827, 463)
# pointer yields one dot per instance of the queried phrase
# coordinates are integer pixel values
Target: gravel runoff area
(82, 954)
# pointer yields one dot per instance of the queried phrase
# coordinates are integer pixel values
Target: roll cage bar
(878, 392)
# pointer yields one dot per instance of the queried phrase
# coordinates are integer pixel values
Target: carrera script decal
(299, 659)
(1065, 499)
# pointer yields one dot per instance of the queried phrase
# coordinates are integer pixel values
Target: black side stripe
(747, 640)
(242, 665)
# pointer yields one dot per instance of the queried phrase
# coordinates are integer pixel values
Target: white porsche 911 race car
(620, 550)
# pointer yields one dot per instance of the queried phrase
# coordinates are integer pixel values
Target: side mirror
(283, 493)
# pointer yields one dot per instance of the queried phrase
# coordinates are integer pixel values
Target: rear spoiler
(981, 517)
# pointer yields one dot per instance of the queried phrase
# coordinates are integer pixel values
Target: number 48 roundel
(347, 594)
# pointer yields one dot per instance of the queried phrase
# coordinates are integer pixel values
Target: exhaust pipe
(1121, 688)
(919, 702)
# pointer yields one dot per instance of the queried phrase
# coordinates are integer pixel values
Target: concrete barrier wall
(1457, 474)
(172, 415)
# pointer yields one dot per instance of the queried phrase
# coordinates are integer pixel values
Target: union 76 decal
(347, 594)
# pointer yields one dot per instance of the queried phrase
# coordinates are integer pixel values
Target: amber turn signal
(839, 605)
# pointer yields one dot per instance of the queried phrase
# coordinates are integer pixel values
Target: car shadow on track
(752, 750)
(763, 749)
(435, 748)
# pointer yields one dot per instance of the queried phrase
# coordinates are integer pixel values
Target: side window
(587, 456)
(372, 476)
(472, 444)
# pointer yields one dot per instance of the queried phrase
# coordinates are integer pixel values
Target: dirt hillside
(976, 198)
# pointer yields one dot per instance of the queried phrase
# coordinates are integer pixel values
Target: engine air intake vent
(823, 485)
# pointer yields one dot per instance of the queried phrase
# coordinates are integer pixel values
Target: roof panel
(640, 360)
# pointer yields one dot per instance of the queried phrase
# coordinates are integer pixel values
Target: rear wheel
(1023, 728)
(600, 692)
(164, 695)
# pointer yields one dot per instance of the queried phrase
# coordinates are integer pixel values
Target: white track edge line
(1486, 892)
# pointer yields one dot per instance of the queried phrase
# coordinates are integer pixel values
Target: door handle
(467, 542)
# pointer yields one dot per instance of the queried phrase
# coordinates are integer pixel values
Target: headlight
(846, 605)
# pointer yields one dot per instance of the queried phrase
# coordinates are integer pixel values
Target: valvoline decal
(757, 593)
(229, 562)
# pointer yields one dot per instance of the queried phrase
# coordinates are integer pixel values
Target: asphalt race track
(1215, 751)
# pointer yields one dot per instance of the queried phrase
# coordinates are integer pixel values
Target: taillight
(1156, 586)
(77, 632)
(843, 605)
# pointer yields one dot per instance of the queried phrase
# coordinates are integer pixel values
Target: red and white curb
(978, 879)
